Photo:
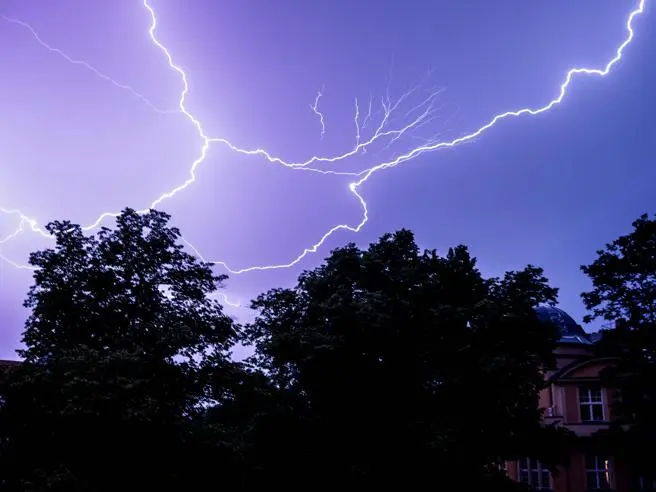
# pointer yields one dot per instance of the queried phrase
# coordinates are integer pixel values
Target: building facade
(576, 399)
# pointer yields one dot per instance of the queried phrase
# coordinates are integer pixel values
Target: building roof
(570, 330)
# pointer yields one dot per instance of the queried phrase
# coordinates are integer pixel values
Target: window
(646, 483)
(591, 404)
(533, 473)
(598, 472)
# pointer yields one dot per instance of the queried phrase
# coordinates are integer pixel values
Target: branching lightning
(315, 109)
(384, 132)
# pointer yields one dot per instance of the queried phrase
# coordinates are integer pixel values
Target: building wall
(576, 368)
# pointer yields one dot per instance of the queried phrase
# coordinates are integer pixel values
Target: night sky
(91, 124)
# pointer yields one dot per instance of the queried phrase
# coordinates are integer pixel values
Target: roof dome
(570, 330)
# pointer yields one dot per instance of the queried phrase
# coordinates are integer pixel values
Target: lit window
(591, 404)
(533, 473)
(598, 472)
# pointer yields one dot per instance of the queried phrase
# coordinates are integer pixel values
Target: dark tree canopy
(624, 278)
(624, 290)
(398, 364)
(120, 347)
(385, 365)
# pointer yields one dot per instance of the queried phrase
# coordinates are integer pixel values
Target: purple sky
(92, 124)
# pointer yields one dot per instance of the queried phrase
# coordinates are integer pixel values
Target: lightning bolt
(429, 147)
(84, 64)
(426, 112)
(315, 109)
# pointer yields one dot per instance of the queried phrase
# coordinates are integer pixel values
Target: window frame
(602, 466)
(529, 470)
(590, 403)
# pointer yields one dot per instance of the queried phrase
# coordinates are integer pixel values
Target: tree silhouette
(624, 290)
(121, 345)
(402, 366)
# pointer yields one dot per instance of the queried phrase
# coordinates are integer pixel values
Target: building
(575, 399)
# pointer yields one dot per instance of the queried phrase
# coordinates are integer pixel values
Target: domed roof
(570, 330)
